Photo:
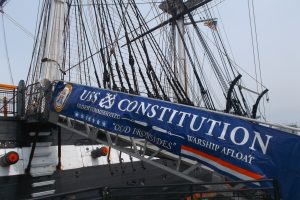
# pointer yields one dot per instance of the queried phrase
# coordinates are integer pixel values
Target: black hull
(115, 175)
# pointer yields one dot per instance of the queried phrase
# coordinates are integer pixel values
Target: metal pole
(59, 147)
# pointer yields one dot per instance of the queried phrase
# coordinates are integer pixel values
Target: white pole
(182, 69)
(51, 69)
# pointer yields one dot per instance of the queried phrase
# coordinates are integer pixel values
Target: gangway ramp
(138, 148)
(148, 128)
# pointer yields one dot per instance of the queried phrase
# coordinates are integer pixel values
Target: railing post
(5, 107)
(58, 167)
(105, 193)
(191, 192)
(14, 103)
(276, 190)
(21, 99)
(47, 88)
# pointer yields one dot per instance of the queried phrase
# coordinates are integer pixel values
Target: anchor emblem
(108, 101)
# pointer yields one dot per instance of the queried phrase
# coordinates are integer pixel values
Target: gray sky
(278, 27)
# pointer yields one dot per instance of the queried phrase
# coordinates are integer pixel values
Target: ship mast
(175, 8)
(51, 67)
(182, 70)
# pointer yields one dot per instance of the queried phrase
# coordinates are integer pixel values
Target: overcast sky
(278, 28)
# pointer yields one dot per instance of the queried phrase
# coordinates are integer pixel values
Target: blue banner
(237, 148)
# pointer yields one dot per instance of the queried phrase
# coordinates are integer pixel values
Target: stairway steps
(44, 160)
(42, 152)
(43, 144)
(44, 133)
(41, 164)
(44, 193)
(43, 183)
(45, 169)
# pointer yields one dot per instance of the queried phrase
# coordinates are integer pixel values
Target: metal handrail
(7, 87)
(8, 103)
(174, 189)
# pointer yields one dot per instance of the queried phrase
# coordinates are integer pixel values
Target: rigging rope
(235, 99)
(161, 58)
(28, 33)
(89, 47)
(258, 56)
(6, 50)
(112, 49)
(254, 43)
(149, 94)
(119, 50)
(106, 78)
(131, 59)
(149, 69)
